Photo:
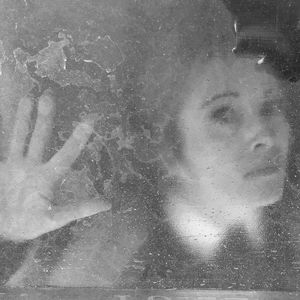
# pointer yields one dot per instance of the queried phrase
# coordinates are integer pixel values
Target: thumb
(73, 212)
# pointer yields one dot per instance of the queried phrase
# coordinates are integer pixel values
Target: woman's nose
(262, 143)
(261, 138)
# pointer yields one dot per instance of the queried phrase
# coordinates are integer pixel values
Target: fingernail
(46, 106)
(89, 118)
(83, 129)
(107, 205)
(49, 92)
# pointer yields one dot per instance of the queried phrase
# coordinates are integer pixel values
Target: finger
(61, 162)
(21, 129)
(71, 213)
(43, 127)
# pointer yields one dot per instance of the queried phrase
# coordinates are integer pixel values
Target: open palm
(26, 183)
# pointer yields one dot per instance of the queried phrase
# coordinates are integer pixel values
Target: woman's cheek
(222, 134)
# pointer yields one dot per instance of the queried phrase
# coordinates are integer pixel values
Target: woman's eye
(270, 108)
(222, 114)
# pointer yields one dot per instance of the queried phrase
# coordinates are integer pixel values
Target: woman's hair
(186, 32)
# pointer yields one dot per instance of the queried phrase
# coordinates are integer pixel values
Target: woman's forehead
(237, 75)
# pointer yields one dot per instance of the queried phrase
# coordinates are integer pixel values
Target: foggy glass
(132, 67)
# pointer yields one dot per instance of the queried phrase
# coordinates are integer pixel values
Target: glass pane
(150, 145)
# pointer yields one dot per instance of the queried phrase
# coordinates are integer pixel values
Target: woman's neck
(202, 221)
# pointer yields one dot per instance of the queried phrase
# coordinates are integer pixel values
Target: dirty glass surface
(149, 145)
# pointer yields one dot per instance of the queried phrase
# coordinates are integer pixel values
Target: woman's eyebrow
(271, 93)
(220, 96)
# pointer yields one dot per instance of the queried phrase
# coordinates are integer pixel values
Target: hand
(26, 184)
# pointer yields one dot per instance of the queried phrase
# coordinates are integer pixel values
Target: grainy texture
(122, 63)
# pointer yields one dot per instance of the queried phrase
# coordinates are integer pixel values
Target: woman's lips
(265, 171)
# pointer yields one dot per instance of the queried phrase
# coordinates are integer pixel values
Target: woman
(216, 221)
(230, 176)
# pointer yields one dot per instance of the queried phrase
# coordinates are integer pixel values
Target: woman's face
(235, 134)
